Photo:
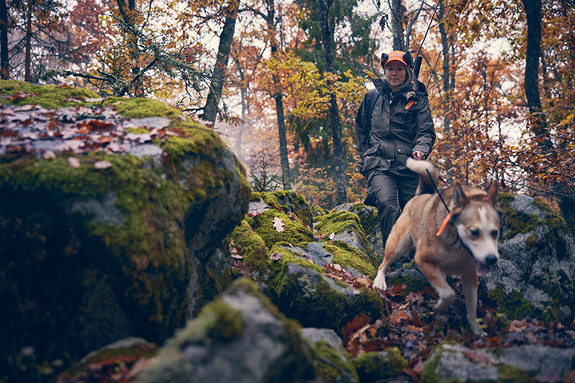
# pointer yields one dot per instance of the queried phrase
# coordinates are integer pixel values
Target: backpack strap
(371, 103)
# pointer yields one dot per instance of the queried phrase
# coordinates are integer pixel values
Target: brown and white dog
(460, 241)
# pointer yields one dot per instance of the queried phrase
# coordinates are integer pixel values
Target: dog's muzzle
(483, 269)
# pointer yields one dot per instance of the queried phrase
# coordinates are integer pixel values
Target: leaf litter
(35, 130)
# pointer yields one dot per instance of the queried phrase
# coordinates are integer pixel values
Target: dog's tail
(428, 175)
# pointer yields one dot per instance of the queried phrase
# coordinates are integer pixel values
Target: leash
(448, 217)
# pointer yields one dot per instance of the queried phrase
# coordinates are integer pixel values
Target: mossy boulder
(369, 221)
(97, 243)
(344, 226)
(241, 337)
(296, 269)
(454, 363)
(332, 362)
(379, 365)
(99, 364)
(536, 273)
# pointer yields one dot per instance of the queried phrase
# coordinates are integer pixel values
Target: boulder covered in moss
(316, 270)
(331, 361)
(527, 363)
(241, 337)
(111, 221)
(369, 222)
(379, 365)
(536, 273)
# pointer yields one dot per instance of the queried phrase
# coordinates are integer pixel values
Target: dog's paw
(444, 302)
(476, 328)
(379, 281)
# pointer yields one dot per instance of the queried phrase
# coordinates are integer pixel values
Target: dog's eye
(494, 233)
(474, 233)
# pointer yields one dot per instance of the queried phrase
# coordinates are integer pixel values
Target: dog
(457, 236)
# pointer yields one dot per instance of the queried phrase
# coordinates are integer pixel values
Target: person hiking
(393, 123)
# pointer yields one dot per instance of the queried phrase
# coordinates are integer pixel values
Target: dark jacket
(398, 127)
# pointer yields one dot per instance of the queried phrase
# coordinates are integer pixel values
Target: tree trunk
(4, 60)
(278, 98)
(224, 49)
(282, 132)
(338, 149)
(398, 13)
(446, 86)
(28, 48)
(565, 198)
(533, 54)
(244, 113)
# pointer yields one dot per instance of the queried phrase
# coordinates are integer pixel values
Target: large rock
(109, 226)
(536, 273)
(242, 337)
(308, 269)
(456, 363)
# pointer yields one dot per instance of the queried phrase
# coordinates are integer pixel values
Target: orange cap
(396, 56)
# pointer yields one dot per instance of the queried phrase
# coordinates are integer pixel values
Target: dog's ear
(492, 192)
(458, 202)
(459, 197)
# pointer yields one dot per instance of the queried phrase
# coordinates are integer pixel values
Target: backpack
(371, 104)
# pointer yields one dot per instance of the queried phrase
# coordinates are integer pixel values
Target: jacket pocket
(404, 151)
(372, 151)
(372, 159)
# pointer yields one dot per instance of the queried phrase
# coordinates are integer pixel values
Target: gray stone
(266, 349)
(456, 363)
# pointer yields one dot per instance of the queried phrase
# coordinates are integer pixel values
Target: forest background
(281, 80)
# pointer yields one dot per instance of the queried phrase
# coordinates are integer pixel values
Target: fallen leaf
(49, 155)
(278, 224)
(476, 358)
(74, 162)
(517, 325)
(102, 165)
(275, 257)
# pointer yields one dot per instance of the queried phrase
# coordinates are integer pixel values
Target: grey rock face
(264, 347)
(456, 363)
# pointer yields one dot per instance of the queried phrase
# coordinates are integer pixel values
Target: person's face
(395, 74)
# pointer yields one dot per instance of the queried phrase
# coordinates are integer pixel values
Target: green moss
(511, 374)
(141, 107)
(253, 250)
(513, 304)
(289, 257)
(387, 364)
(311, 299)
(317, 211)
(338, 222)
(138, 131)
(429, 373)
(368, 302)
(47, 96)
(216, 323)
(516, 222)
(330, 365)
(293, 232)
(347, 256)
(553, 219)
(291, 203)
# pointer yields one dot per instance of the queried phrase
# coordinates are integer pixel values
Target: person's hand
(418, 155)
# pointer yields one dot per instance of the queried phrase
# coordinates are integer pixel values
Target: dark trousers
(390, 193)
